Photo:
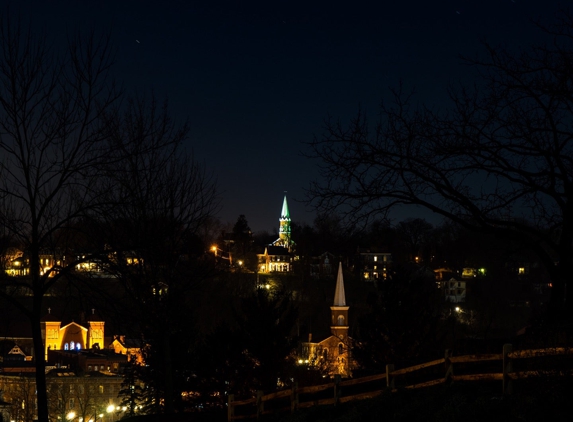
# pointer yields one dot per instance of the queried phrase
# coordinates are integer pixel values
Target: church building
(332, 355)
(279, 255)
(72, 336)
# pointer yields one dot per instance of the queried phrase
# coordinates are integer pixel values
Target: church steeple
(339, 310)
(284, 229)
(284, 239)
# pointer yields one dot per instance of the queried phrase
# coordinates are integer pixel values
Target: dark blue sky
(257, 79)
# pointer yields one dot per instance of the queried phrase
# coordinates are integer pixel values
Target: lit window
(521, 270)
(375, 259)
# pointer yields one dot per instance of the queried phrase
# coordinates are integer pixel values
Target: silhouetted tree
(242, 248)
(159, 198)
(498, 161)
(404, 320)
(53, 141)
(267, 322)
(253, 350)
(414, 234)
(131, 393)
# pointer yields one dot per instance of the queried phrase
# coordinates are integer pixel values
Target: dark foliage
(405, 321)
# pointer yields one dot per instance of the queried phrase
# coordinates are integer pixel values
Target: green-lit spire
(284, 229)
(285, 214)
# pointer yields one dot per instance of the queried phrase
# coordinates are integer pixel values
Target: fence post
(230, 408)
(449, 366)
(260, 404)
(294, 397)
(336, 389)
(389, 377)
(507, 369)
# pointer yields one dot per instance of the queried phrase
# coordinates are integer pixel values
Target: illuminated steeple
(339, 310)
(339, 297)
(284, 229)
(284, 239)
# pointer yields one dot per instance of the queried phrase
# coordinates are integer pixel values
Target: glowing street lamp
(71, 415)
(110, 409)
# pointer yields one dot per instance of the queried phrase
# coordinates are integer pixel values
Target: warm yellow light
(213, 248)
(458, 309)
(110, 408)
(71, 415)
(300, 361)
(240, 263)
(267, 286)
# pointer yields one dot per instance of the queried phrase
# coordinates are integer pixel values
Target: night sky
(257, 79)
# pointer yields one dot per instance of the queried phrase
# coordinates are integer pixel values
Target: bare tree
(159, 198)
(500, 160)
(52, 143)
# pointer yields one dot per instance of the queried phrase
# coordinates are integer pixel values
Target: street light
(110, 409)
(71, 415)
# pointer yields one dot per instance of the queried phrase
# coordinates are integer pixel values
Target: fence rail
(507, 376)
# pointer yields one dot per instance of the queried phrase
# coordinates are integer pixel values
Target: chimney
(310, 337)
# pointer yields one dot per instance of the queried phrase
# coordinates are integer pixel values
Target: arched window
(78, 346)
(340, 319)
(66, 346)
(72, 345)
(340, 349)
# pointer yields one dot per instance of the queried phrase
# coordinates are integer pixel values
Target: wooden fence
(374, 385)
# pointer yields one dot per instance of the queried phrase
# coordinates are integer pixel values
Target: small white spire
(339, 296)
